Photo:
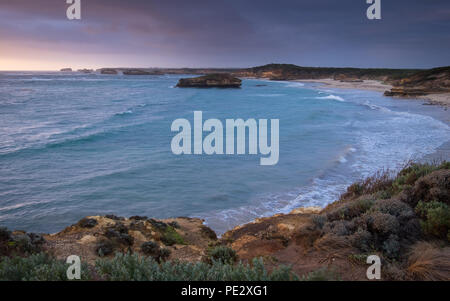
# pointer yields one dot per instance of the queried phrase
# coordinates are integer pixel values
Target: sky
(36, 34)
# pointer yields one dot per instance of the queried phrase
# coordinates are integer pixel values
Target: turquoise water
(77, 145)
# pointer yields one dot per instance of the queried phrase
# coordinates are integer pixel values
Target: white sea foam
(295, 85)
(333, 97)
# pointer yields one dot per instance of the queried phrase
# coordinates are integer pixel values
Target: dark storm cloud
(238, 32)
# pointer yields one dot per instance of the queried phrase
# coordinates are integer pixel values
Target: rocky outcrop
(431, 81)
(406, 92)
(109, 71)
(66, 70)
(219, 80)
(185, 239)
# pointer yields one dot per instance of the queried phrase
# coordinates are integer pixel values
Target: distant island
(217, 80)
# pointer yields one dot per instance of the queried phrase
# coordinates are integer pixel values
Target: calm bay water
(77, 145)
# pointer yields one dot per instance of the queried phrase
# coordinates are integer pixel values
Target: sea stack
(220, 80)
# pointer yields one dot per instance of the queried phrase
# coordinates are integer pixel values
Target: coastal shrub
(391, 246)
(350, 210)
(436, 218)
(340, 227)
(87, 223)
(119, 237)
(37, 267)
(382, 224)
(133, 267)
(380, 181)
(429, 262)
(174, 224)
(363, 240)
(413, 171)
(318, 220)
(432, 187)
(171, 237)
(393, 207)
(322, 274)
(159, 226)
(154, 250)
(223, 254)
(208, 232)
(359, 259)
(5, 234)
(105, 248)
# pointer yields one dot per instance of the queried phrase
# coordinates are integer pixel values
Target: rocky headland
(428, 82)
(402, 218)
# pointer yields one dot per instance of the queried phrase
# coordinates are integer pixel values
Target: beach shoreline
(441, 99)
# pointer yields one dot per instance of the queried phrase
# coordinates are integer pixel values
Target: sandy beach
(442, 99)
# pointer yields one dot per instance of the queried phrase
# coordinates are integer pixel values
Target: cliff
(431, 81)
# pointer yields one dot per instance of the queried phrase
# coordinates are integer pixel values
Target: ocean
(73, 145)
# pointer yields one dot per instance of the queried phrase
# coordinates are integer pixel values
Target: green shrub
(350, 210)
(37, 267)
(171, 237)
(359, 259)
(134, 267)
(154, 250)
(322, 274)
(412, 172)
(223, 254)
(318, 220)
(380, 181)
(436, 218)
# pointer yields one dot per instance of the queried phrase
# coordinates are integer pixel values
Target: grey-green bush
(37, 267)
(137, 268)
